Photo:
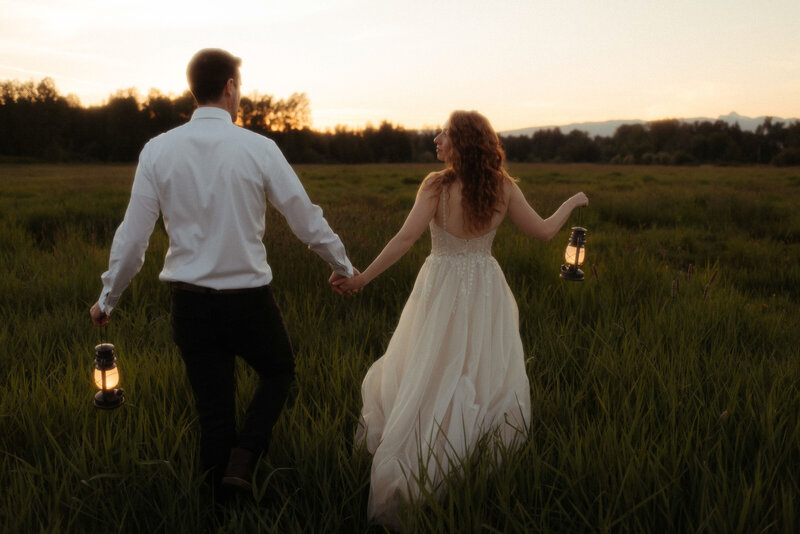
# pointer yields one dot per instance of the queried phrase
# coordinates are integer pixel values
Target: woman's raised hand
(580, 200)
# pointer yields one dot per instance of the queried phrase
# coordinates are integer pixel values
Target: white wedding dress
(454, 370)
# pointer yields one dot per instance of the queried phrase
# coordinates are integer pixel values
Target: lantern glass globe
(106, 379)
(571, 252)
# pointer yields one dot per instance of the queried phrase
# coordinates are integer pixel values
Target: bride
(454, 368)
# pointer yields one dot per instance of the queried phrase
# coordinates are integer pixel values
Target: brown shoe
(240, 470)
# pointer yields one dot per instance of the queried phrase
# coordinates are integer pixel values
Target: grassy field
(665, 388)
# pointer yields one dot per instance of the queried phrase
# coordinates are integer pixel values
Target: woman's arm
(415, 224)
(526, 218)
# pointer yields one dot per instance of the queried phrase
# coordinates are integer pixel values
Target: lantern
(574, 255)
(106, 378)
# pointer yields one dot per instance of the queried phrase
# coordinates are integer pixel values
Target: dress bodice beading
(446, 244)
(466, 259)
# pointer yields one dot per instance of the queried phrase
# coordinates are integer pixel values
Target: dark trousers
(211, 329)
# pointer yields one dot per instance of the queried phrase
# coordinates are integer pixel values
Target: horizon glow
(521, 63)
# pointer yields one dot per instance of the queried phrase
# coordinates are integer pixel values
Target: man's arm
(129, 245)
(287, 194)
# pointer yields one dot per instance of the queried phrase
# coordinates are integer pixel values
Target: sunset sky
(521, 63)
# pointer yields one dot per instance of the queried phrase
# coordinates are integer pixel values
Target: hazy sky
(521, 63)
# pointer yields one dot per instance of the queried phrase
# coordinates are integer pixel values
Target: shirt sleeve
(130, 242)
(287, 194)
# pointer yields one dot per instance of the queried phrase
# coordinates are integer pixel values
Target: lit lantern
(106, 378)
(574, 255)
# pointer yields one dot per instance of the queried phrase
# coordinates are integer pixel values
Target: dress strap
(444, 207)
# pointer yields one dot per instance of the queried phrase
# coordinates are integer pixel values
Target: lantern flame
(111, 377)
(569, 255)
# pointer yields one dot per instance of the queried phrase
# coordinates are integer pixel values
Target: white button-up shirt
(208, 178)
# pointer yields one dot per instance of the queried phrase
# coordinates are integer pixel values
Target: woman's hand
(579, 200)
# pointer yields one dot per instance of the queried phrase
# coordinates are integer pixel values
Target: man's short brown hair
(208, 72)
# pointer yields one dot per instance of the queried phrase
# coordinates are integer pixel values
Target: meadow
(665, 387)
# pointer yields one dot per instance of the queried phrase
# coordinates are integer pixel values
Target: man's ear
(230, 87)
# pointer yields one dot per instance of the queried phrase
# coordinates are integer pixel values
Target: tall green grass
(665, 388)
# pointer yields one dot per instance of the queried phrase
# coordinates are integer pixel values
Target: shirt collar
(211, 112)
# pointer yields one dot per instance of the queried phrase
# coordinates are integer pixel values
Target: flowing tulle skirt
(454, 370)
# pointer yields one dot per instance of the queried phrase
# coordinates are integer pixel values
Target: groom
(208, 178)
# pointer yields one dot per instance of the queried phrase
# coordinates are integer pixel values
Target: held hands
(349, 285)
(99, 317)
(337, 280)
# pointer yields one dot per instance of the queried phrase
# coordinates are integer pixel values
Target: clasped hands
(347, 286)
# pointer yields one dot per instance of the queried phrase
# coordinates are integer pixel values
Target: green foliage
(664, 387)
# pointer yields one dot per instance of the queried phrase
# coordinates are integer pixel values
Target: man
(208, 178)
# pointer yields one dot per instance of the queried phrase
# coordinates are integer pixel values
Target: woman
(454, 368)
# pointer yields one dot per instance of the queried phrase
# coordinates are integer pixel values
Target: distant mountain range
(607, 128)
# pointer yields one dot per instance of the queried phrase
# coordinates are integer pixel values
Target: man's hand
(334, 277)
(99, 317)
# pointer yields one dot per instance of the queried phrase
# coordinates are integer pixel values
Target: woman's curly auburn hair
(477, 159)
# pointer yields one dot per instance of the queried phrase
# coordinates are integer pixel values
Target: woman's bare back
(454, 211)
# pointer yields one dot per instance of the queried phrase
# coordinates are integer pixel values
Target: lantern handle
(104, 329)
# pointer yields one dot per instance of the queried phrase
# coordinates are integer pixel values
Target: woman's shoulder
(434, 180)
(509, 186)
(436, 175)
(509, 182)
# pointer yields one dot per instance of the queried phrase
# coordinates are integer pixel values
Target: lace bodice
(446, 244)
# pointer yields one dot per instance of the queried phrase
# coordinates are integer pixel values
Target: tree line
(665, 142)
(39, 124)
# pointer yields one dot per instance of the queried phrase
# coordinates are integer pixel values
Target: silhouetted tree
(294, 113)
(389, 144)
(518, 147)
(348, 146)
(265, 113)
(666, 135)
(545, 144)
(422, 148)
(36, 122)
(632, 141)
(578, 147)
(789, 143)
(162, 113)
(125, 126)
